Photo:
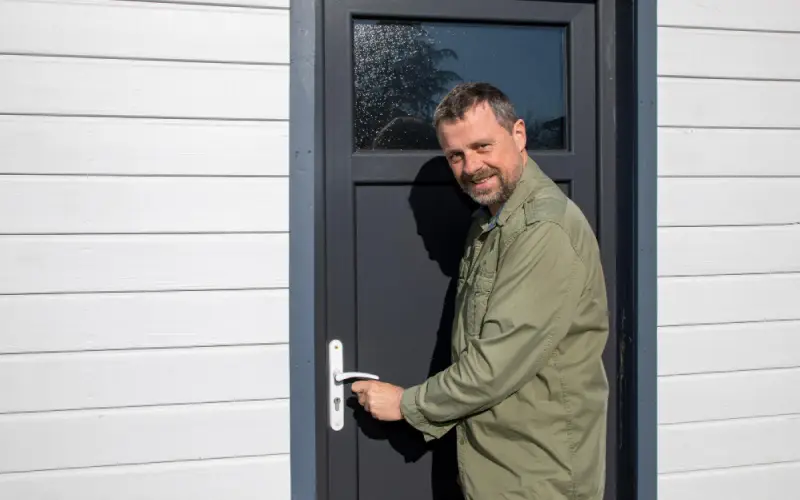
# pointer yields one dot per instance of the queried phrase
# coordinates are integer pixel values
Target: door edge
(306, 249)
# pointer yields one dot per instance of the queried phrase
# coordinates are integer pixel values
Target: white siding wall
(729, 249)
(144, 250)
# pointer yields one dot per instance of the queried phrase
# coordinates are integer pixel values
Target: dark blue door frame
(635, 94)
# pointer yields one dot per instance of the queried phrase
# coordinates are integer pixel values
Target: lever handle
(341, 377)
(336, 376)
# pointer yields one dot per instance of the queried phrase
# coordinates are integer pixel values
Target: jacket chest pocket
(479, 288)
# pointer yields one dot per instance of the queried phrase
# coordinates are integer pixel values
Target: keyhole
(336, 402)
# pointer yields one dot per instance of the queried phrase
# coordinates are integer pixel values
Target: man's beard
(494, 197)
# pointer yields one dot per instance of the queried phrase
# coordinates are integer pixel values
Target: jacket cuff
(412, 414)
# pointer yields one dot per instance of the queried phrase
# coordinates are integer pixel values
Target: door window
(402, 69)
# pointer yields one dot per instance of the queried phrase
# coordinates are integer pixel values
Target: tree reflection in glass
(403, 68)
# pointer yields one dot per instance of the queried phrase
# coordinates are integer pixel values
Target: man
(527, 391)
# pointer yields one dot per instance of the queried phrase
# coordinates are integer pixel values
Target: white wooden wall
(729, 249)
(144, 250)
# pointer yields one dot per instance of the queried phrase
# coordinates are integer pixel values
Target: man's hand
(380, 399)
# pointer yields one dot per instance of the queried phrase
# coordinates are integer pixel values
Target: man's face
(486, 159)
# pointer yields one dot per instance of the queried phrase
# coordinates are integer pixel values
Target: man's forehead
(479, 115)
(467, 129)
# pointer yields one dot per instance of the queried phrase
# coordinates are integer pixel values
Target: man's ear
(520, 135)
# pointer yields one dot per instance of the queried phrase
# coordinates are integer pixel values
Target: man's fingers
(360, 386)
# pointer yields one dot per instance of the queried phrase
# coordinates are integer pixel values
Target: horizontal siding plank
(74, 381)
(106, 263)
(778, 15)
(719, 202)
(268, 4)
(231, 479)
(697, 251)
(727, 152)
(74, 86)
(716, 201)
(728, 299)
(721, 396)
(120, 146)
(761, 482)
(76, 205)
(45, 441)
(75, 322)
(144, 30)
(733, 443)
(748, 346)
(727, 54)
(728, 103)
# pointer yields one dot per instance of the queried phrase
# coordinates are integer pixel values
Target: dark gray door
(395, 219)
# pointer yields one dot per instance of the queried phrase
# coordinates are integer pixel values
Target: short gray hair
(465, 96)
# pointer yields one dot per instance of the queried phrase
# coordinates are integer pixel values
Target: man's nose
(472, 164)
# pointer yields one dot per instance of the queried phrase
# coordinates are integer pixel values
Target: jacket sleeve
(533, 302)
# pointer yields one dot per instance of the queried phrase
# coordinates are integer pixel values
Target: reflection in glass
(403, 69)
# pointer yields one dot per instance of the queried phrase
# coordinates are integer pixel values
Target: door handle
(336, 380)
(341, 377)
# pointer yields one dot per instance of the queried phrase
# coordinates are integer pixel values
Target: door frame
(628, 79)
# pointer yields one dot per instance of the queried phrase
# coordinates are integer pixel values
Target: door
(396, 220)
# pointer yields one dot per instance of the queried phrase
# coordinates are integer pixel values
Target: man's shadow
(442, 214)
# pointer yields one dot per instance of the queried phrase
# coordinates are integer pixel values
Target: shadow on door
(441, 216)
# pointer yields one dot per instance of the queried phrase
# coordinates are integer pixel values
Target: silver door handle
(336, 379)
(341, 377)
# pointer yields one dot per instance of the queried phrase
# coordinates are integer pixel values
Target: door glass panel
(402, 69)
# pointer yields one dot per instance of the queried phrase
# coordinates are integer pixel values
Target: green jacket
(527, 391)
